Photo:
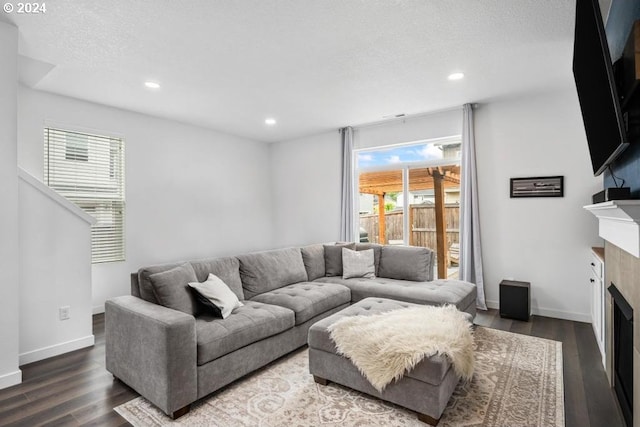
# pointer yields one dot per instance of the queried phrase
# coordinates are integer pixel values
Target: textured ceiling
(313, 65)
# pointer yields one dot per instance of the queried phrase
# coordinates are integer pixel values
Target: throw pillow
(377, 250)
(333, 258)
(171, 290)
(216, 295)
(144, 283)
(313, 258)
(406, 263)
(227, 269)
(358, 264)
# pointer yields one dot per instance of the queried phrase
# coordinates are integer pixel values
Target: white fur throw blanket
(383, 346)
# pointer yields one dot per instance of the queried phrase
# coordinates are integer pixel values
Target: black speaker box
(612, 194)
(515, 300)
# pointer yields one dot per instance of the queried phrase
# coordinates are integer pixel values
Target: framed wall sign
(541, 186)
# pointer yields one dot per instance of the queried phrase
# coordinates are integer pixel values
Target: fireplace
(619, 226)
(623, 353)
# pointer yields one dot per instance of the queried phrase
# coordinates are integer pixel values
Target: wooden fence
(423, 228)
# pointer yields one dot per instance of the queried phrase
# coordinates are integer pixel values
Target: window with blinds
(89, 171)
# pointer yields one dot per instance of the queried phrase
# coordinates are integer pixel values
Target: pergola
(436, 178)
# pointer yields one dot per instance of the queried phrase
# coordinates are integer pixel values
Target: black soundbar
(612, 194)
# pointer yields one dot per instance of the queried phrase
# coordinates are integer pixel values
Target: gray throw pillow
(313, 258)
(227, 269)
(377, 250)
(171, 288)
(216, 295)
(333, 258)
(406, 263)
(358, 264)
(145, 286)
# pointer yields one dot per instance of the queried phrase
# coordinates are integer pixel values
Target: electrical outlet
(64, 312)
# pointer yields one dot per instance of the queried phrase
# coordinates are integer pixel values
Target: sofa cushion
(144, 284)
(216, 296)
(247, 324)
(313, 258)
(308, 299)
(333, 258)
(461, 294)
(227, 269)
(264, 271)
(358, 264)
(406, 263)
(377, 250)
(171, 288)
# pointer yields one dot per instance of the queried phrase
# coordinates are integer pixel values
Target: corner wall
(55, 271)
(9, 372)
(306, 185)
(191, 192)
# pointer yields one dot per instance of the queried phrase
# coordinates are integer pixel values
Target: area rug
(517, 382)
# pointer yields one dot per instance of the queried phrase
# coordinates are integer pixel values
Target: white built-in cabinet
(596, 282)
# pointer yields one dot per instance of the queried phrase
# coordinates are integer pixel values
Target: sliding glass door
(410, 194)
(380, 215)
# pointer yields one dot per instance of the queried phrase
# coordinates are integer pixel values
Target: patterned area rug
(517, 382)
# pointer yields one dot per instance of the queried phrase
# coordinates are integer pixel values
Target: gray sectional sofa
(174, 358)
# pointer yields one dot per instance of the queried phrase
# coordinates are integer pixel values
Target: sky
(402, 154)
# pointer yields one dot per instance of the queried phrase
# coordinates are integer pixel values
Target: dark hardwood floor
(75, 389)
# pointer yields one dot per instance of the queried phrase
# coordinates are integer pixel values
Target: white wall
(55, 271)
(306, 187)
(410, 129)
(544, 241)
(191, 192)
(9, 372)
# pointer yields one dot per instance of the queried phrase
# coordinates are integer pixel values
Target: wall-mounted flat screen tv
(599, 102)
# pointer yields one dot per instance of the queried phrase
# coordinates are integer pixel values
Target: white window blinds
(89, 171)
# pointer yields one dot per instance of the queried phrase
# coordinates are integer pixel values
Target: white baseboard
(12, 378)
(98, 309)
(556, 314)
(492, 304)
(55, 350)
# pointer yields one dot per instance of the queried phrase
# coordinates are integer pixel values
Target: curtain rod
(408, 116)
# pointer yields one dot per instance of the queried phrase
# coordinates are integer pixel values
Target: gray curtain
(470, 248)
(346, 215)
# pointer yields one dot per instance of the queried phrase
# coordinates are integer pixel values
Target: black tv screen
(599, 102)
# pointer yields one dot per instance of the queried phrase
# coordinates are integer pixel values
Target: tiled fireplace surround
(619, 226)
(623, 269)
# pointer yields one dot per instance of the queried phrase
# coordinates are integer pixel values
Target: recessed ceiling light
(270, 121)
(456, 76)
(152, 85)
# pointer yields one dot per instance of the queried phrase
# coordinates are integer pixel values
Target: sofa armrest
(152, 349)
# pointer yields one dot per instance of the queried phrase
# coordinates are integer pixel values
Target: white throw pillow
(358, 264)
(218, 293)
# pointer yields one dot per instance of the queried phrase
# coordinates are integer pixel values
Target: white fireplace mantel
(619, 223)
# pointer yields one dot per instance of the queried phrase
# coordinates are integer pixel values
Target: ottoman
(426, 389)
